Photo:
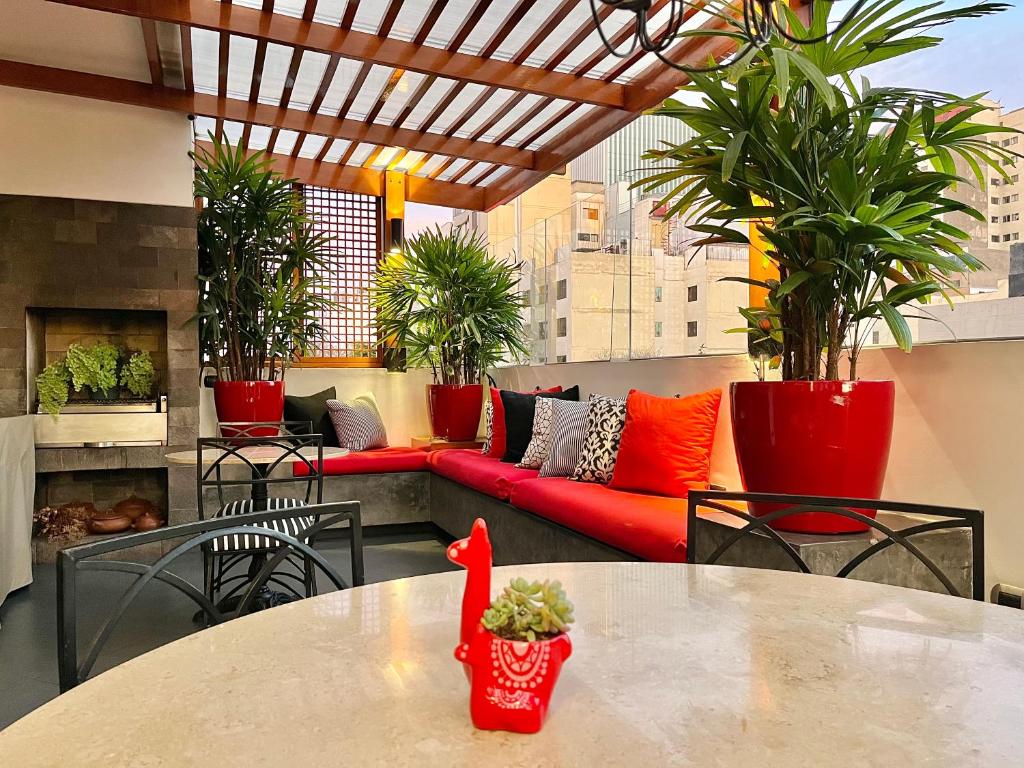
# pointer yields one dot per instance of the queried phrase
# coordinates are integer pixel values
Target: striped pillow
(358, 423)
(568, 434)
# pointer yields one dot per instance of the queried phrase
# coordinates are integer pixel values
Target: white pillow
(540, 442)
(358, 423)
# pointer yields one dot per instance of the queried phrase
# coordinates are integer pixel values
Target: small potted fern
(513, 649)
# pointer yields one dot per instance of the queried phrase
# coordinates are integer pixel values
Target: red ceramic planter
(455, 410)
(249, 401)
(813, 438)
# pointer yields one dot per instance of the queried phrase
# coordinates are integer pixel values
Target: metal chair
(883, 536)
(256, 457)
(74, 560)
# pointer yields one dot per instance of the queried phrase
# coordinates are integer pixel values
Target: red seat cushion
(650, 527)
(481, 473)
(375, 462)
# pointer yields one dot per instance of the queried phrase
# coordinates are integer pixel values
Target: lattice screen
(354, 223)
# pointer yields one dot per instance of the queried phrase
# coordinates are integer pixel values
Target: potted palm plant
(455, 310)
(260, 261)
(848, 184)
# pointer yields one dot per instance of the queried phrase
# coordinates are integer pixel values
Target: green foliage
(138, 374)
(529, 611)
(94, 367)
(452, 306)
(260, 266)
(53, 386)
(846, 181)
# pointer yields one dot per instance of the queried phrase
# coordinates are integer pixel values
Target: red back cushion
(666, 443)
(498, 420)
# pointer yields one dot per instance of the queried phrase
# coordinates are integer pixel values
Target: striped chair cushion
(241, 542)
(358, 423)
(568, 434)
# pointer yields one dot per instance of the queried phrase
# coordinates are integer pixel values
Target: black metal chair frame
(221, 568)
(948, 518)
(198, 534)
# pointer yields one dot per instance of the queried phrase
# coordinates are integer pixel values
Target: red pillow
(498, 420)
(666, 443)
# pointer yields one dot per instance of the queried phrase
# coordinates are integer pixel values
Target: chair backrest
(251, 457)
(882, 536)
(75, 560)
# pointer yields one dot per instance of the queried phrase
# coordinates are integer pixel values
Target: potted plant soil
(847, 184)
(456, 310)
(513, 649)
(260, 261)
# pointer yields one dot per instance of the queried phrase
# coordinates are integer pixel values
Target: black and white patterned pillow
(540, 443)
(489, 419)
(358, 423)
(568, 432)
(604, 431)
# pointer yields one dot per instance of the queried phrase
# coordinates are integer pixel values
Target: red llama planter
(510, 681)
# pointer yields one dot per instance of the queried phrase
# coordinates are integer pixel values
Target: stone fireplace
(85, 271)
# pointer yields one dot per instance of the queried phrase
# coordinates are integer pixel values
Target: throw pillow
(313, 409)
(666, 444)
(601, 446)
(495, 439)
(519, 411)
(358, 423)
(540, 442)
(568, 432)
(489, 430)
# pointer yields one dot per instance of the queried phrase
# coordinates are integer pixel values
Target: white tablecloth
(17, 491)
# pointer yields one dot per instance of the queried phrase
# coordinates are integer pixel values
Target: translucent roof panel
(578, 17)
(485, 113)
(329, 11)
(367, 97)
(467, 95)
(275, 71)
(492, 20)
(311, 145)
(449, 22)
(454, 168)
(203, 127)
(511, 116)
(554, 107)
(259, 135)
(434, 95)
(362, 153)
(285, 142)
(205, 53)
(338, 148)
(369, 16)
(410, 17)
(344, 77)
(400, 96)
(432, 164)
(307, 79)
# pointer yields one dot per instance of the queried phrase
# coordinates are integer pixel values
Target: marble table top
(673, 665)
(256, 454)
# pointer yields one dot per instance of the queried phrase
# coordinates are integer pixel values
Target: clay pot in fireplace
(149, 521)
(109, 521)
(134, 507)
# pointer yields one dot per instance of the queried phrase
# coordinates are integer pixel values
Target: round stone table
(673, 666)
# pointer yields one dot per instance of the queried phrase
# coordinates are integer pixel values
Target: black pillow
(519, 410)
(313, 408)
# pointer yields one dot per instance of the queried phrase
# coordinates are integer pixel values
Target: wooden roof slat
(185, 33)
(350, 14)
(259, 61)
(35, 77)
(470, 22)
(414, 100)
(388, 20)
(470, 111)
(156, 67)
(308, 10)
(385, 94)
(325, 38)
(555, 18)
(286, 93)
(511, 22)
(429, 21)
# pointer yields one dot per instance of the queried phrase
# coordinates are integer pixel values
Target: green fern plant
(529, 611)
(138, 374)
(53, 385)
(94, 367)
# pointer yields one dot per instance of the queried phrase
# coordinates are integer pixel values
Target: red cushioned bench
(481, 473)
(375, 462)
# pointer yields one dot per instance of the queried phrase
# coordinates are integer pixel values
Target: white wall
(401, 396)
(64, 146)
(957, 438)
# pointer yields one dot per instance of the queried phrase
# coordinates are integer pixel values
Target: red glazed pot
(813, 438)
(249, 401)
(511, 682)
(455, 410)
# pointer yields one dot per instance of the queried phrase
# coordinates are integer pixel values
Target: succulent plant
(53, 385)
(529, 611)
(138, 374)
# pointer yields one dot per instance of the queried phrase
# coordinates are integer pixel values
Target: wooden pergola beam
(368, 181)
(70, 83)
(351, 44)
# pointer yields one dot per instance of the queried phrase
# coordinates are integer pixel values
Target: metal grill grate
(353, 221)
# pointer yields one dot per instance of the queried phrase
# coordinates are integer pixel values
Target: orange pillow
(498, 420)
(666, 443)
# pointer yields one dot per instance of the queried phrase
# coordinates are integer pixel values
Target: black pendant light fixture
(760, 20)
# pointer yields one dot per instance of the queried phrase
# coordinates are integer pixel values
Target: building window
(590, 213)
(997, 182)
(561, 359)
(657, 293)
(563, 289)
(691, 293)
(1015, 236)
(995, 238)
(542, 330)
(995, 200)
(1006, 238)
(657, 329)
(691, 329)
(563, 329)
(1010, 141)
(994, 219)
(1015, 178)
(1014, 217)
(350, 328)
(542, 295)
(875, 335)
(586, 237)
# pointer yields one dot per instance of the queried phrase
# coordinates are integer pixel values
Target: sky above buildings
(976, 56)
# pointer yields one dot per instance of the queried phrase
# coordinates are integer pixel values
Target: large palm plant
(849, 182)
(450, 305)
(259, 266)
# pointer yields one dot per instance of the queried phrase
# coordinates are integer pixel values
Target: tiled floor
(28, 637)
